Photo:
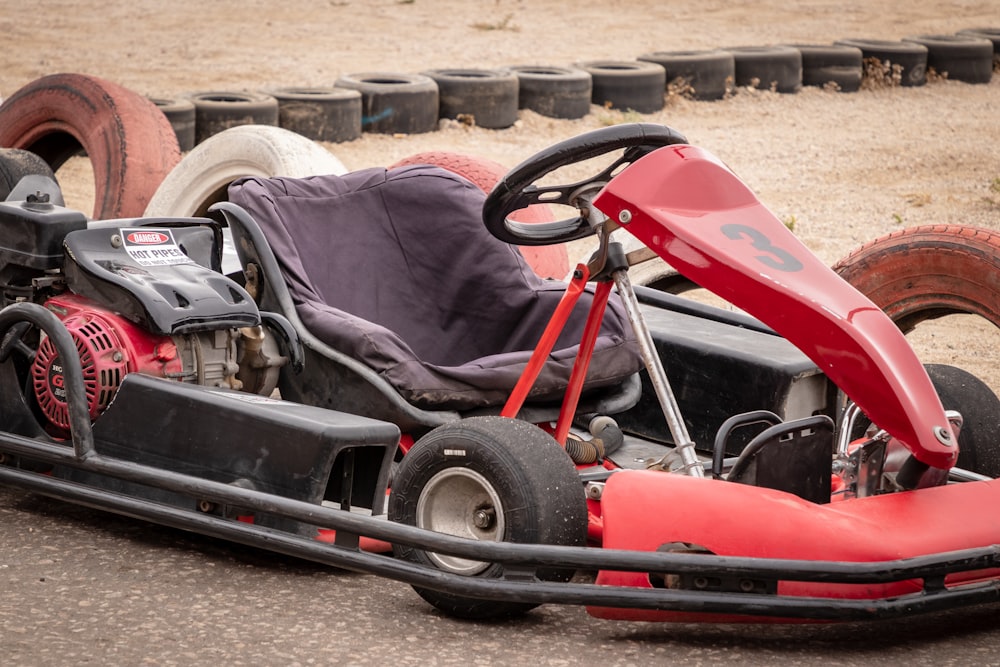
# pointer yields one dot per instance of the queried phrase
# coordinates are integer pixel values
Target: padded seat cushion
(396, 269)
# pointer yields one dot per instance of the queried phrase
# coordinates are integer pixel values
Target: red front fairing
(695, 213)
(731, 519)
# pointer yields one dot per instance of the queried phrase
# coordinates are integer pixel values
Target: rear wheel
(492, 479)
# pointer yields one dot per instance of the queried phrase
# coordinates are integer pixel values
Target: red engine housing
(109, 347)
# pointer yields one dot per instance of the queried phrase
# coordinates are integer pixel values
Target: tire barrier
(777, 68)
(700, 75)
(394, 103)
(216, 111)
(627, 84)
(180, 112)
(320, 114)
(823, 65)
(909, 57)
(992, 34)
(965, 58)
(482, 97)
(556, 92)
(130, 143)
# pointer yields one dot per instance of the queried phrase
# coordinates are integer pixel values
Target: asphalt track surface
(84, 587)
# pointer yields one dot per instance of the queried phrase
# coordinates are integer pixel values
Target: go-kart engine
(110, 347)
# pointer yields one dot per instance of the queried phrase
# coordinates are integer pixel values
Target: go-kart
(498, 441)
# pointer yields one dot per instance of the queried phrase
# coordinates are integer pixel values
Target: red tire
(927, 272)
(547, 261)
(130, 142)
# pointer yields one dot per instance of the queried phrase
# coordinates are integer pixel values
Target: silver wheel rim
(461, 502)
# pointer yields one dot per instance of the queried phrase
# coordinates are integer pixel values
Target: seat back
(397, 269)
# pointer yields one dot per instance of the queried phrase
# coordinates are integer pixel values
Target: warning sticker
(153, 247)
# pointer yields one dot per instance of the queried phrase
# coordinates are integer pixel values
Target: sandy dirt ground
(843, 168)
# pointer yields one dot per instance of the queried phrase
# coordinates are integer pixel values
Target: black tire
(216, 111)
(910, 57)
(15, 164)
(704, 75)
(992, 34)
(488, 478)
(488, 98)
(777, 68)
(180, 112)
(962, 391)
(130, 143)
(395, 103)
(320, 114)
(627, 84)
(823, 65)
(958, 57)
(556, 92)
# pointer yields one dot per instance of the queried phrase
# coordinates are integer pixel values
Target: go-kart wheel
(488, 478)
(980, 409)
(517, 189)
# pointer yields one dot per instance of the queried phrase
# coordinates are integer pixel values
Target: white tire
(201, 177)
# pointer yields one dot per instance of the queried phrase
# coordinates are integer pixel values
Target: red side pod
(732, 519)
(704, 221)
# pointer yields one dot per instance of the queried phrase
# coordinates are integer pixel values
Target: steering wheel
(517, 189)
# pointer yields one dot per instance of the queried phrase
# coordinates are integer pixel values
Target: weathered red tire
(129, 141)
(550, 261)
(928, 272)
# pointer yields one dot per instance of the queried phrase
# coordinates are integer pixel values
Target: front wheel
(488, 478)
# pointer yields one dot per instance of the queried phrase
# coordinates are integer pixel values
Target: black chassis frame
(20, 457)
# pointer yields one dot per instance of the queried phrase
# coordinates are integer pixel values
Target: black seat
(396, 270)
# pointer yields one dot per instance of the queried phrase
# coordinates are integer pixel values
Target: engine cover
(109, 347)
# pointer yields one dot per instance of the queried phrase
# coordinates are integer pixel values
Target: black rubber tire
(979, 450)
(486, 97)
(394, 103)
(15, 164)
(992, 34)
(923, 273)
(320, 114)
(180, 112)
(705, 75)
(555, 92)
(825, 64)
(909, 56)
(777, 68)
(958, 57)
(216, 111)
(129, 141)
(627, 84)
(515, 465)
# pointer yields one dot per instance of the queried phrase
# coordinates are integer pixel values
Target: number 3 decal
(777, 258)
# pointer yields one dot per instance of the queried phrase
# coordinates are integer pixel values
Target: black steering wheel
(517, 189)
